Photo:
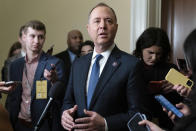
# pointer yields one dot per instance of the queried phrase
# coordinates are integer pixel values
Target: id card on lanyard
(41, 89)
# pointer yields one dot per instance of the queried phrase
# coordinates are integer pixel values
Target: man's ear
(87, 27)
(117, 27)
(19, 39)
(25, 36)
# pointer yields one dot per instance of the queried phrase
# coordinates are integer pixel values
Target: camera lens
(189, 83)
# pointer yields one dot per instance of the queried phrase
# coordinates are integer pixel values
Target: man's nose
(36, 39)
(79, 40)
(102, 24)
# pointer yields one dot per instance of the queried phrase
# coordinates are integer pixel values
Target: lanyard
(25, 72)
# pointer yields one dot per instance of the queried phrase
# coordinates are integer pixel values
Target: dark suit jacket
(37, 105)
(117, 94)
(64, 56)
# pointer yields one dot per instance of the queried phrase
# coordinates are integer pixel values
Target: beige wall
(60, 16)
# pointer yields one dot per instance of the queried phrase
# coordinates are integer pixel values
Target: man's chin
(36, 51)
(104, 42)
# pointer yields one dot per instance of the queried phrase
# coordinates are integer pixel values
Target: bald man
(74, 40)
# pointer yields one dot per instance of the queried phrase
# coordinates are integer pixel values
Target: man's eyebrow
(96, 18)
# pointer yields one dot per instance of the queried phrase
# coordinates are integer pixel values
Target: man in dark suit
(74, 40)
(117, 94)
(37, 71)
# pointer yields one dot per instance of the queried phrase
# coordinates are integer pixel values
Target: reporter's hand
(51, 75)
(167, 87)
(67, 120)
(93, 121)
(182, 107)
(151, 125)
(182, 90)
(5, 89)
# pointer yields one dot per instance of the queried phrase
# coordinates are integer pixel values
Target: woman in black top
(153, 48)
(187, 123)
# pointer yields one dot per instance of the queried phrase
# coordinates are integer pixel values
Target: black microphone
(54, 92)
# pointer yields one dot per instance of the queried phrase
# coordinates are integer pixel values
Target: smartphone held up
(12, 83)
(177, 78)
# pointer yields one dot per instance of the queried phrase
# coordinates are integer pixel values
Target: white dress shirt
(102, 63)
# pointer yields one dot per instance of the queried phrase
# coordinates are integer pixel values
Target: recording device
(170, 107)
(53, 67)
(175, 77)
(54, 92)
(11, 83)
(181, 64)
(155, 86)
(50, 50)
(133, 123)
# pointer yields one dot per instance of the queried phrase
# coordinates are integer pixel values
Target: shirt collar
(105, 54)
(22, 53)
(72, 56)
(35, 59)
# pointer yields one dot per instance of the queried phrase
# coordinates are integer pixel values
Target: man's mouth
(103, 34)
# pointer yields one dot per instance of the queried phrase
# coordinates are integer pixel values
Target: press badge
(41, 89)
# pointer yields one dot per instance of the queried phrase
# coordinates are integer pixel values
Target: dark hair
(87, 42)
(15, 46)
(21, 31)
(189, 47)
(102, 5)
(189, 50)
(150, 37)
(35, 24)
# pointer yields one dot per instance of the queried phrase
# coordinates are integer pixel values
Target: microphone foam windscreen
(56, 89)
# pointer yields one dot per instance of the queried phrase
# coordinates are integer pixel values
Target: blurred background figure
(153, 49)
(13, 52)
(74, 40)
(86, 47)
(22, 42)
(17, 50)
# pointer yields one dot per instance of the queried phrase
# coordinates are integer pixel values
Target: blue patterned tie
(93, 79)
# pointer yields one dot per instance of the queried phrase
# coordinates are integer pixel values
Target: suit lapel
(84, 69)
(67, 57)
(111, 66)
(39, 72)
(21, 67)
